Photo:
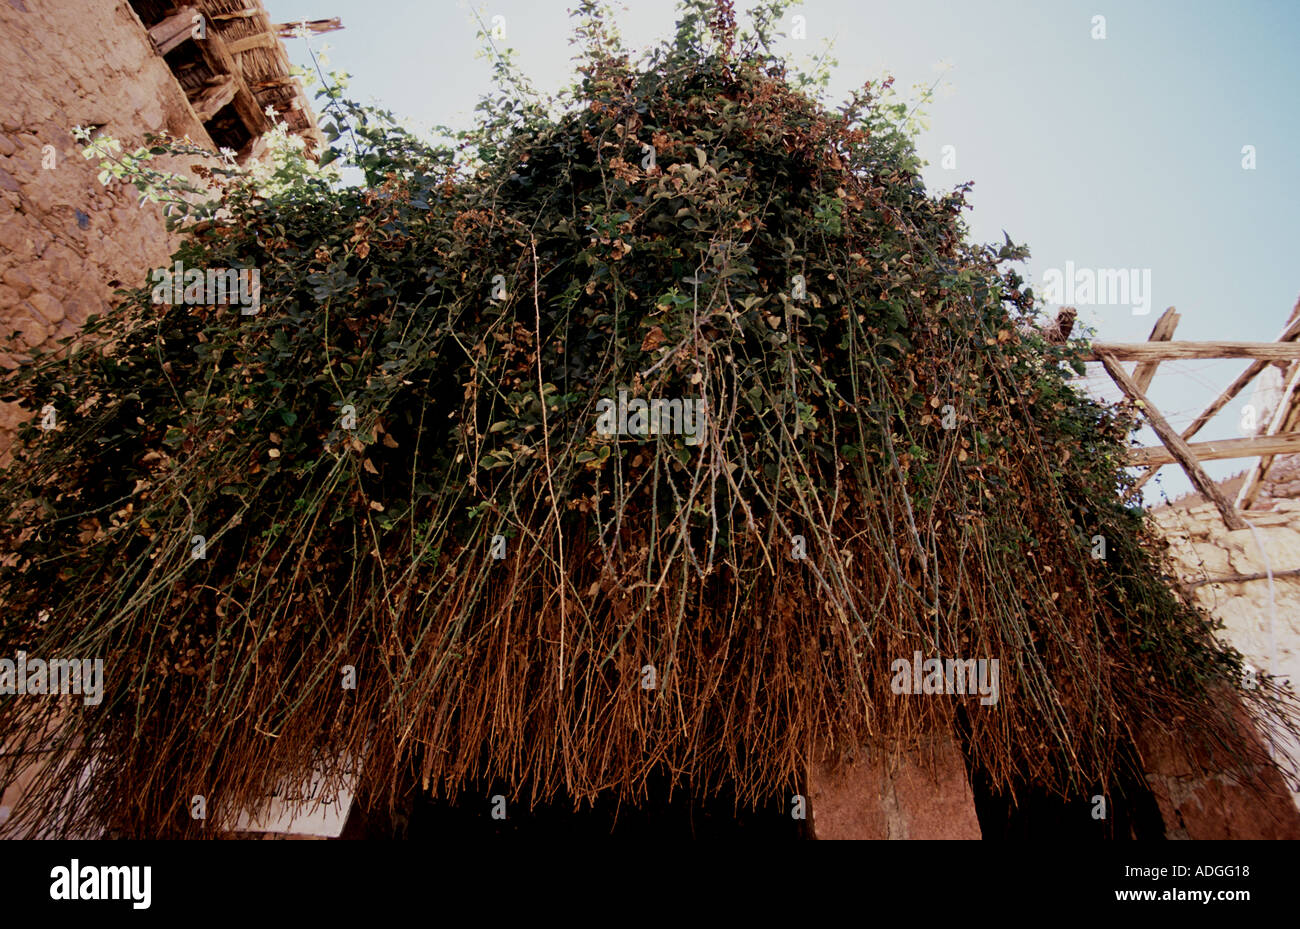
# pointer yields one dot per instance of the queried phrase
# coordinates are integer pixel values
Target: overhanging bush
(418, 393)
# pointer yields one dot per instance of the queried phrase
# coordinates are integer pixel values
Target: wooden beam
(273, 82)
(1182, 454)
(1163, 331)
(1170, 351)
(221, 61)
(1243, 380)
(1241, 578)
(249, 42)
(1291, 332)
(289, 30)
(246, 13)
(173, 30)
(1283, 419)
(1284, 443)
(213, 97)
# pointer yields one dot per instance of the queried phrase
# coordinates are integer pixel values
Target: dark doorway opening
(1131, 810)
(660, 816)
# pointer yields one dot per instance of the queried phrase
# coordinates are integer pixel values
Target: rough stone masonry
(66, 241)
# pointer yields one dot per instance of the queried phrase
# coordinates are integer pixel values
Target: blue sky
(1115, 153)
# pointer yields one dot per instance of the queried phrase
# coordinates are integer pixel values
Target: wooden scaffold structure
(1281, 436)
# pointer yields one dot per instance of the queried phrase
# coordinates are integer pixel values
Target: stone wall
(66, 241)
(1262, 624)
(1282, 481)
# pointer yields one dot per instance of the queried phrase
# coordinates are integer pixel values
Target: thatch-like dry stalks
(870, 403)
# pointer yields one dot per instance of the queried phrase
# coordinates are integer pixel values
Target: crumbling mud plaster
(1204, 797)
(924, 794)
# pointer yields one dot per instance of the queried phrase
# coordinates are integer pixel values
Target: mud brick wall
(66, 241)
(924, 794)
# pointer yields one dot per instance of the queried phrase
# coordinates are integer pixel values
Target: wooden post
(1284, 418)
(213, 97)
(1174, 442)
(173, 30)
(1163, 331)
